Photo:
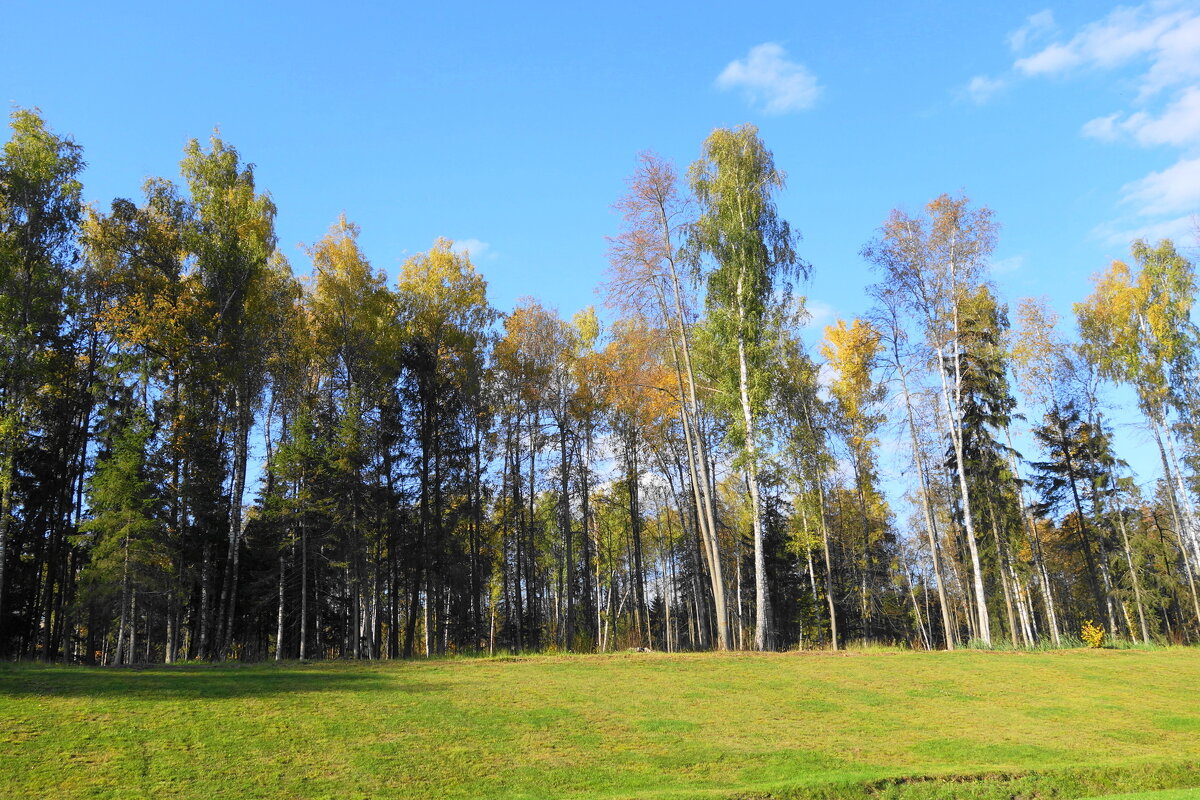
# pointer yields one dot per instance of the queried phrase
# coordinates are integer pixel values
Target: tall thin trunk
(762, 620)
(1081, 529)
(812, 577)
(531, 572)
(635, 521)
(865, 566)
(7, 478)
(1191, 532)
(697, 451)
(565, 516)
(279, 614)
(917, 611)
(1006, 589)
(205, 601)
(492, 630)
(1022, 603)
(1133, 573)
(131, 653)
(926, 506)
(126, 604)
(737, 571)
(476, 532)
(833, 627)
(1035, 548)
(589, 598)
(228, 602)
(354, 579)
(1105, 569)
(982, 625)
(818, 480)
(517, 516)
(303, 591)
(1176, 514)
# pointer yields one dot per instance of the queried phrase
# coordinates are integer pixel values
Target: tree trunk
(983, 624)
(1133, 573)
(279, 615)
(303, 586)
(1035, 548)
(228, 602)
(697, 451)
(1191, 531)
(917, 611)
(125, 606)
(635, 521)
(565, 517)
(926, 507)
(763, 638)
(589, 599)
(833, 628)
(7, 478)
(1176, 515)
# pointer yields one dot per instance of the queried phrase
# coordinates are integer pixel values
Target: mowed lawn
(1072, 723)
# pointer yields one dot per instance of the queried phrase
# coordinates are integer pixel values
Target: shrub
(1092, 634)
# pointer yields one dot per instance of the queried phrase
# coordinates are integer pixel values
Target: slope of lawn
(1072, 723)
(1160, 794)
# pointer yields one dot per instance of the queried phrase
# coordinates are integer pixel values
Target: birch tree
(753, 255)
(935, 261)
(40, 212)
(648, 277)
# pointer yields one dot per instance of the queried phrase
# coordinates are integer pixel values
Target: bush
(1092, 634)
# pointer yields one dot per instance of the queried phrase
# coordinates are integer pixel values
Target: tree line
(204, 456)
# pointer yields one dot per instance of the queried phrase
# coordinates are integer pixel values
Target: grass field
(1070, 723)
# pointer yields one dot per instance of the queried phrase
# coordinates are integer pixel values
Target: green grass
(972, 724)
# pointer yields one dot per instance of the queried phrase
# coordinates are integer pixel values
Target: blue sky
(514, 125)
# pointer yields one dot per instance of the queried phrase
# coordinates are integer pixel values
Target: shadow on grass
(197, 681)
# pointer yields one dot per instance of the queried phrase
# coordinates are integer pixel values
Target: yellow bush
(1092, 634)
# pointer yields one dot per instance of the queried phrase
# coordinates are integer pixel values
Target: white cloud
(1178, 124)
(1055, 58)
(981, 88)
(826, 375)
(768, 78)
(1170, 191)
(1004, 266)
(820, 314)
(1156, 46)
(1120, 233)
(1037, 27)
(1177, 58)
(1106, 129)
(476, 249)
(1169, 39)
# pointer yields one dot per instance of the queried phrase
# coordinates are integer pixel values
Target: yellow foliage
(637, 382)
(852, 352)
(1092, 634)
(1039, 353)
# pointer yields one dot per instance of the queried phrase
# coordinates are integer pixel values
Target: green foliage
(40, 211)
(753, 255)
(1137, 327)
(430, 485)
(1044, 645)
(124, 530)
